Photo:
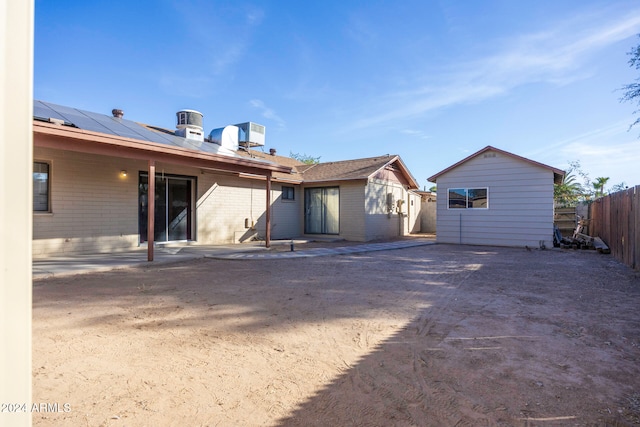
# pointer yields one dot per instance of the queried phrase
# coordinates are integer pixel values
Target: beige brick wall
(95, 210)
(364, 215)
(229, 209)
(226, 203)
(286, 215)
(428, 215)
(352, 206)
(352, 226)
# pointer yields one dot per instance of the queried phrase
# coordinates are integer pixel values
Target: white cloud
(268, 113)
(415, 133)
(607, 151)
(617, 161)
(553, 56)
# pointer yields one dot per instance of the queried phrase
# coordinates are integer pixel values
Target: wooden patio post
(151, 209)
(267, 238)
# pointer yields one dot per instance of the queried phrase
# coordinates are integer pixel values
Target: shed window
(468, 198)
(41, 183)
(288, 193)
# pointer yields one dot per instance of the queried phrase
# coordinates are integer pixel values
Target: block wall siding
(352, 226)
(286, 215)
(230, 209)
(520, 204)
(95, 210)
(428, 215)
(227, 203)
(381, 223)
(352, 207)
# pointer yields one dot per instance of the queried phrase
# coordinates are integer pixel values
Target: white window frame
(466, 191)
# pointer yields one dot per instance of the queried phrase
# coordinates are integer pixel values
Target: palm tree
(569, 192)
(598, 186)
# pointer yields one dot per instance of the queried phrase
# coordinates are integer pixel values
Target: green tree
(598, 186)
(632, 90)
(619, 187)
(569, 192)
(304, 158)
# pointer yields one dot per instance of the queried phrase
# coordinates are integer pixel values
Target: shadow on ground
(483, 336)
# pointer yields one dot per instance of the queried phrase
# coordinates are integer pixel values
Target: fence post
(635, 206)
(616, 220)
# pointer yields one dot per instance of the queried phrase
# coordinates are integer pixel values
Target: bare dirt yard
(427, 336)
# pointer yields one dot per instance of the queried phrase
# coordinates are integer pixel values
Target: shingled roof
(294, 176)
(345, 170)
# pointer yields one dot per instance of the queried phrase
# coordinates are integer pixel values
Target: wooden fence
(616, 220)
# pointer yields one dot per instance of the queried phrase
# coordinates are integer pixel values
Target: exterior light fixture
(123, 173)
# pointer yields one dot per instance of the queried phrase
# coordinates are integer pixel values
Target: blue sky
(432, 81)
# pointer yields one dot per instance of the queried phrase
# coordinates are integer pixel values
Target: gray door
(322, 210)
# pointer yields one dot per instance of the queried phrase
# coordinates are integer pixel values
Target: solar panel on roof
(79, 119)
(103, 123)
(42, 111)
(115, 125)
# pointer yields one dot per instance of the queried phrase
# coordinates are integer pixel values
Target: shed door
(322, 210)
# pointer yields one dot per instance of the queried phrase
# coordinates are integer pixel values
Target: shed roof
(558, 174)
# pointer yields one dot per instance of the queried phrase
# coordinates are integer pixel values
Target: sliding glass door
(322, 210)
(173, 219)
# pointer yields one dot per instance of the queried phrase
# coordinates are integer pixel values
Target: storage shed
(494, 197)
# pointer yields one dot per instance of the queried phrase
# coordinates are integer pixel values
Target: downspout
(267, 238)
(460, 230)
(151, 207)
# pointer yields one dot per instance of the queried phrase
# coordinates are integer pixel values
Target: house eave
(332, 180)
(74, 139)
(274, 178)
(413, 184)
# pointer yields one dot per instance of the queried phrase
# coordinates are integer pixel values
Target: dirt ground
(435, 335)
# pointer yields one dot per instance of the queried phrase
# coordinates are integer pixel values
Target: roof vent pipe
(117, 113)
